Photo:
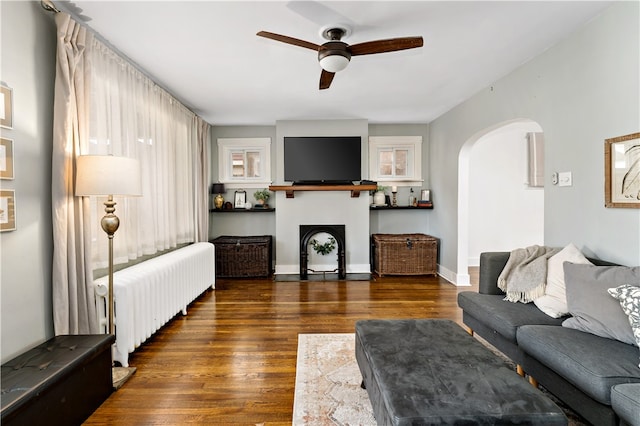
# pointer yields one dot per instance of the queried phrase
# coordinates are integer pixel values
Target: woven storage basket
(238, 257)
(405, 254)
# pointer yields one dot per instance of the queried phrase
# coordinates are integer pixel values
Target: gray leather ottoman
(432, 372)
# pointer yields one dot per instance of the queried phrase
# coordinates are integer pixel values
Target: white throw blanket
(524, 277)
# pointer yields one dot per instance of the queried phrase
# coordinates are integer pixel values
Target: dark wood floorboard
(232, 359)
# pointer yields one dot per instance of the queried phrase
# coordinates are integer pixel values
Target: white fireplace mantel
(291, 189)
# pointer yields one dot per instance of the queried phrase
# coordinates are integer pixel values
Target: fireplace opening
(307, 232)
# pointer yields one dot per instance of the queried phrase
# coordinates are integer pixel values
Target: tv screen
(322, 159)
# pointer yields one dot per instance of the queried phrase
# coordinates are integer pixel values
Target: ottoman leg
(362, 385)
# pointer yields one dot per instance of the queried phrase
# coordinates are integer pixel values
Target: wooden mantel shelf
(355, 189)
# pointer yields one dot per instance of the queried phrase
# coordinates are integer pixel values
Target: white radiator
(149, 294)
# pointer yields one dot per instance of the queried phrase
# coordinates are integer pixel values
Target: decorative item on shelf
(240, 198)
(412, 198)
(394, 191)
(218, 200)
(325, 248)
(262, 196)
(425, 199)
(379, 198)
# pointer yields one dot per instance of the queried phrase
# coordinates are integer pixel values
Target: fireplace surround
(307, 232)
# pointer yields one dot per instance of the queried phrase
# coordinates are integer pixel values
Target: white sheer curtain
(103, 105)
(132, 117)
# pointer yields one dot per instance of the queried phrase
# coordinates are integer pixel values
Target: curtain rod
(47, 5)
(50, 7)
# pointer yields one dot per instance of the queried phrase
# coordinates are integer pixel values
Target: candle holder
(394, 201)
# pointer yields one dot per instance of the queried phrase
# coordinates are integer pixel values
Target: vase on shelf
(379, 198)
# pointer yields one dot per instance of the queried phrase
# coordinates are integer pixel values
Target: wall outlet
(565, 179)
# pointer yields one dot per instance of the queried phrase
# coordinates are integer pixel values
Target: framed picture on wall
(6, 107)
(6, 158)
(7, 210)
(240, 199)
(622, 171)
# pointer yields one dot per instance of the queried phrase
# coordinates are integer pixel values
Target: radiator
(149, 294)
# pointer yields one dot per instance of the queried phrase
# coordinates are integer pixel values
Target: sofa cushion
(625, 400)
(554, 300)
(591, 363)
(629, 298)
(503, 316)
(592, 308)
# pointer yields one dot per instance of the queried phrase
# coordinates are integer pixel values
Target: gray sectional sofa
(598, 377)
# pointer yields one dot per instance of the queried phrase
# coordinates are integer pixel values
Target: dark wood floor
(232, 359)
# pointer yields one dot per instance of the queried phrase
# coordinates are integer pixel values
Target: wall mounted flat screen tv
(322, 159)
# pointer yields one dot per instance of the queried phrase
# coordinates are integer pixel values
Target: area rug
(328, 381)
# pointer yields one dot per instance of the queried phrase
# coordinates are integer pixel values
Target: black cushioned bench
(60, 382)
(432, 372)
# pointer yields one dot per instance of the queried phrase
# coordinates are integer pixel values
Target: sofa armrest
(491, 265)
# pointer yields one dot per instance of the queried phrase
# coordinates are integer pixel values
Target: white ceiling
(207, 54)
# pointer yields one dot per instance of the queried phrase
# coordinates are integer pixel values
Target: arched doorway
(488, 193)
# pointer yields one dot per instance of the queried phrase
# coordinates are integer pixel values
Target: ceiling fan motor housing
(334, 56)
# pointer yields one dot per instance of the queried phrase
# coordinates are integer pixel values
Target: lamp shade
(217, 188)
(107, 175)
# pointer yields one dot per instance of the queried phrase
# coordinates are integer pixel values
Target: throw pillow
(590, 305)
(629, 298)
(554, 300)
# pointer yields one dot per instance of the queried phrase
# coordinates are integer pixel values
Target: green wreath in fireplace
(325, 248)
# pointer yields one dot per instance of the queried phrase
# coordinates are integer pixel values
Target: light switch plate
(565, 179)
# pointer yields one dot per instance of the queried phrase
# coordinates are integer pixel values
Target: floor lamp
(106, 175)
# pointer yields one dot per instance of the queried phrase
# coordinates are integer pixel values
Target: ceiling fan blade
(325, 79)
(289, 40)
(389, 45)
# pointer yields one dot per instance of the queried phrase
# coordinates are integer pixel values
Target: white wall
(504, 212)
(28, 66)
(581, 91)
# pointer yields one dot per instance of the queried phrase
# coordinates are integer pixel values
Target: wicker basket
(240, 257)
(405, 254)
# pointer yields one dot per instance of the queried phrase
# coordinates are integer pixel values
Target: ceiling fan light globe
(334, 63)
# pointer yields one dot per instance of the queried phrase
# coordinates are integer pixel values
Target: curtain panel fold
(74, 310)
(202, 179)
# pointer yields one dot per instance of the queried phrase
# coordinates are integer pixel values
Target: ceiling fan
(334, 55)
